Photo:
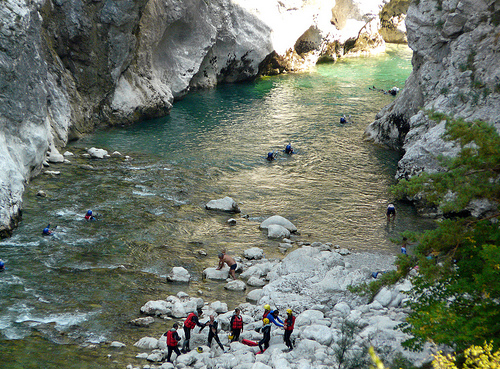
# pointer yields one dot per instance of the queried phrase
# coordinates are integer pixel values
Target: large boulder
(213, 273)
(179, 274)
(278, 220)
(158, 307)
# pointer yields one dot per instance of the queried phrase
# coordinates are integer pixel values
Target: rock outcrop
(70, 66)
(456, 71)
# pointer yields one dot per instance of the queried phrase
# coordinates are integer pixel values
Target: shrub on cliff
(456, 295)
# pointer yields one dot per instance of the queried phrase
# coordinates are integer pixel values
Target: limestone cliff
(456, 71)
(68, 66)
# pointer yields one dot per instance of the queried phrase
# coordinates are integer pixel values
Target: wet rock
(226, 204)
(97, 153)
(147, 343)
(143, 322)
(278, 220)
(179, 274)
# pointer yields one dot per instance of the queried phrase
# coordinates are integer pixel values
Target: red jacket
(172, 338)
(236, 322)
(190, 322)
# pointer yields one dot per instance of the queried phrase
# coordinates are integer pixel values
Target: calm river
(63, 297)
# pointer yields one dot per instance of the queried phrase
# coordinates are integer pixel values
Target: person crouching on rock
(266, 331)
(289, 325)
(231, 263)
(190, 322)
(172, 341)
(236, 325)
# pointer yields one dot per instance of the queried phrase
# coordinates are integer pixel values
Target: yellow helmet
(289, 311)
(265, 321)
(267, 307)
(230, 336)
(199, 349)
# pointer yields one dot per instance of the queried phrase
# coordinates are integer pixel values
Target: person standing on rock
(172, 341)
(391, 211)
(273, 317)
(213, 332)
(236, 325)
(189, 324)
(266, 331)
(231, 263)
(289, 325)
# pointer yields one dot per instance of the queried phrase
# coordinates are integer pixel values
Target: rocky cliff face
(68, 66)
(456, 71)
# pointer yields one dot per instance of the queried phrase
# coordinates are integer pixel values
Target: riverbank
(313, 281)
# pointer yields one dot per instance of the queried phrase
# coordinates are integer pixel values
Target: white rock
(219, 307)
(179, 274)
(343, 308)
(147, 343)
(225, 204)
(259, 365)
(253, 271)
(384, 296)
(254, 295)
(278, 220)
(117, 344)
(308, 317)
(97, 153)
(213, 273)
(143, 322)
(319, 333)
(254, 253)
(236, 285)
(68, 153)
(256, 282)
(178, 310)
(277, 231)
(187, 359)
(158, 307)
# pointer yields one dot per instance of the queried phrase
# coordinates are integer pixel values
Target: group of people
(271, 317)
(89, 216)
(393, 91)
(236, 327)
(273, 154)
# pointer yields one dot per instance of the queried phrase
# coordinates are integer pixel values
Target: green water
(64, 297)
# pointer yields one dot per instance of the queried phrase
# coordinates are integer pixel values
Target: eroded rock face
(456, 71)
(69, 66)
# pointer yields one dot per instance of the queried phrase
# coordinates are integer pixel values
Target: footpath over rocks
(313, 281)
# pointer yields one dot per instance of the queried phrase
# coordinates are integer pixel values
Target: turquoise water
(64, 297)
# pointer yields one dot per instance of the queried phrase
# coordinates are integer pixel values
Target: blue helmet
(89, 212)
(288, 147)
(270, 154)
(2, 264)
